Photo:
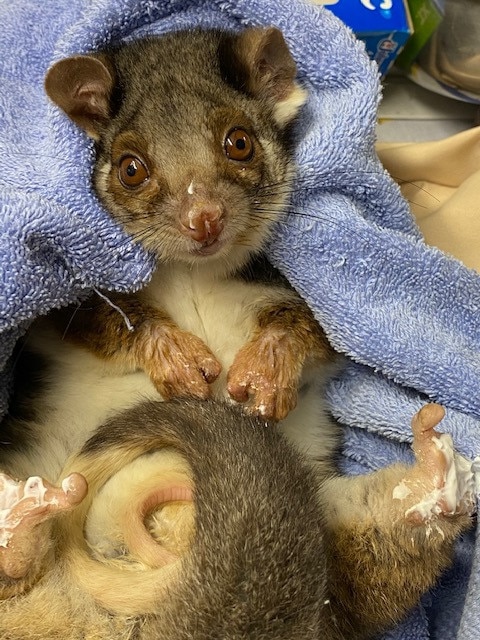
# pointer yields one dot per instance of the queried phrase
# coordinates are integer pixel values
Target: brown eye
(132, 172)
(238, 145)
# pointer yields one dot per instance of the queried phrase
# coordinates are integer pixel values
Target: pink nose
(202, 222)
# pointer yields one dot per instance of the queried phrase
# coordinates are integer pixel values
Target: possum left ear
(262, 66)
(82, 87)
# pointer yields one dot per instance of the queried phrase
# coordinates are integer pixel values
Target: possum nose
(202, 222)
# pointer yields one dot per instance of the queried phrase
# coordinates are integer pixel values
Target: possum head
(193, 135)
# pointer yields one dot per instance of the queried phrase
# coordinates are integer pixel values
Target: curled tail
(201, 519)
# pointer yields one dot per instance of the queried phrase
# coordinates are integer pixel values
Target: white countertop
(410, 113)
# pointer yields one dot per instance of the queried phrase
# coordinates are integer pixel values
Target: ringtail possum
(195, 160)
(202, 522)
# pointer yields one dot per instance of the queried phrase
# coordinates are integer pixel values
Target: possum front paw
(177, 362)
(441, 484)
(265, 372)
(24, 506)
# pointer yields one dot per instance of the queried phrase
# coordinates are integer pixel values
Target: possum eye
(238, 145)
(132, 172)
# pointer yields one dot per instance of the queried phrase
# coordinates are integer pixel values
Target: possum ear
(82, 87)
(262, 66)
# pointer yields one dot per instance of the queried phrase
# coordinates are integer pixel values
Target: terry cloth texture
(405, 314)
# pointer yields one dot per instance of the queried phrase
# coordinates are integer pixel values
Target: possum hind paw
(24, 505)
(441, 483)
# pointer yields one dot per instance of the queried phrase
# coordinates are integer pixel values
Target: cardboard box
(384, 25)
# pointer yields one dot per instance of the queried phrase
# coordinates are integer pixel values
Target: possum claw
(177, 362)
(263, 374)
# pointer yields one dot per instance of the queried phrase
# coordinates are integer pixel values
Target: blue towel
(406, 315)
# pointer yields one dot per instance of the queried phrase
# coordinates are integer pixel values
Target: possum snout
(201, 218)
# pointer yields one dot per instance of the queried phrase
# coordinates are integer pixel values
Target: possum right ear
(82, 87)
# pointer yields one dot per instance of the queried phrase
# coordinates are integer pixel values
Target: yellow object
(441, 180)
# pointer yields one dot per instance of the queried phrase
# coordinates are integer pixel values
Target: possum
(196, 164)
(126, 514)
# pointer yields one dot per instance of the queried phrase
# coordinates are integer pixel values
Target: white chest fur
(219, 311)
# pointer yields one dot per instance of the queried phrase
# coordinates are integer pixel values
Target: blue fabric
(406, 315)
